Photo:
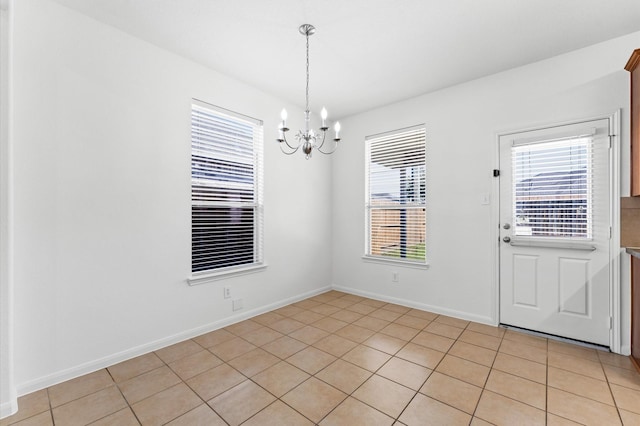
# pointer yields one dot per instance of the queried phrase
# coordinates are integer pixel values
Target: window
(396, 195)
(226, 190)
(552, 188)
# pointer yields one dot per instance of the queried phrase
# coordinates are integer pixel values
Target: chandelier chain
(307, 91)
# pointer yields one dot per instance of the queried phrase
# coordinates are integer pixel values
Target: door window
(552, 191)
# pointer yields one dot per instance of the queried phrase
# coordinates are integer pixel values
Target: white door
(555, 230)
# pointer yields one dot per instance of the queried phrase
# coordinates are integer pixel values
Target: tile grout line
(611, 392)
(374, 373)
(432, 371)
(487, 379)
(299, 384)
(371, 375)
(197, 394)
(546, 386)
(53, 420)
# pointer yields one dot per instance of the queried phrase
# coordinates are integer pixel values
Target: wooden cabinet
(635, 310)
(633, 66)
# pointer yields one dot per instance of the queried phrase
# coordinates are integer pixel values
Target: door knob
(506, 239)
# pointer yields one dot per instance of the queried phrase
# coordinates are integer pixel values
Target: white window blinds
(226, 189)
(396, 195)
(552, 188)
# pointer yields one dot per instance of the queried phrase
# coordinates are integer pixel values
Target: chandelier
(308, 139)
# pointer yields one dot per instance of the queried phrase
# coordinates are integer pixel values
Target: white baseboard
(625, 350)
(9, 408)
(98, 364)
(417, 305)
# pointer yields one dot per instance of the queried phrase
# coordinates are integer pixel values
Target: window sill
(205, 277)
(402, 263)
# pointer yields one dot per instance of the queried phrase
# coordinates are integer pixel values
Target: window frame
(255, 203)
(393, 136)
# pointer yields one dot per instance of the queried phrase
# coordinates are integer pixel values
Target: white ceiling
(365, 53)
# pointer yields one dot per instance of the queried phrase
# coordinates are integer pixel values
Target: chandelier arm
(324, 135)
(292, 149)
(287, 152)
(329, 152)
(284, 139)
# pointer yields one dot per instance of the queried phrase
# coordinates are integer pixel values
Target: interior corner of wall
(9, 407)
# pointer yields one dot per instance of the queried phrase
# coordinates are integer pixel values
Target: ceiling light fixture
(307, 138)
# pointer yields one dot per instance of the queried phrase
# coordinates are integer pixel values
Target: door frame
(8, 394)
(614, 248)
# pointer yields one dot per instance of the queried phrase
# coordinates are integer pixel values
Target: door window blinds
(396, 195)
(552, 188)
(226, 189)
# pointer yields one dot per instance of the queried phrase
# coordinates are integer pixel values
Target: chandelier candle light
(307, 138)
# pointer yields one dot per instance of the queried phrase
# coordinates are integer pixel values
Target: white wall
(102, 199)
(462, 123)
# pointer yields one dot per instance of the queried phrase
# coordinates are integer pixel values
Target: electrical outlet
(227, 292)
(237, 304)
(395, 277)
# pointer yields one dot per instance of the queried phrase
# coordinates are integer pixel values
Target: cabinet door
(635, 132)
(633, 66)
(635, 309)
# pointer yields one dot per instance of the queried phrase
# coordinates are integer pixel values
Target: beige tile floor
(339, 359)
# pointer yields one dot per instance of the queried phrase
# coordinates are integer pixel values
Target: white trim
(560, 136)
(398, 262)
(625, 350)
(8, 394)
(219, 274)
(614, 248)
(495, 234)
(393, 132)
(98, 364)
(417, 305)
(224, 111)
(614, 251)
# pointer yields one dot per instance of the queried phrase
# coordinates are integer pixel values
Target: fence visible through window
(396, 195)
